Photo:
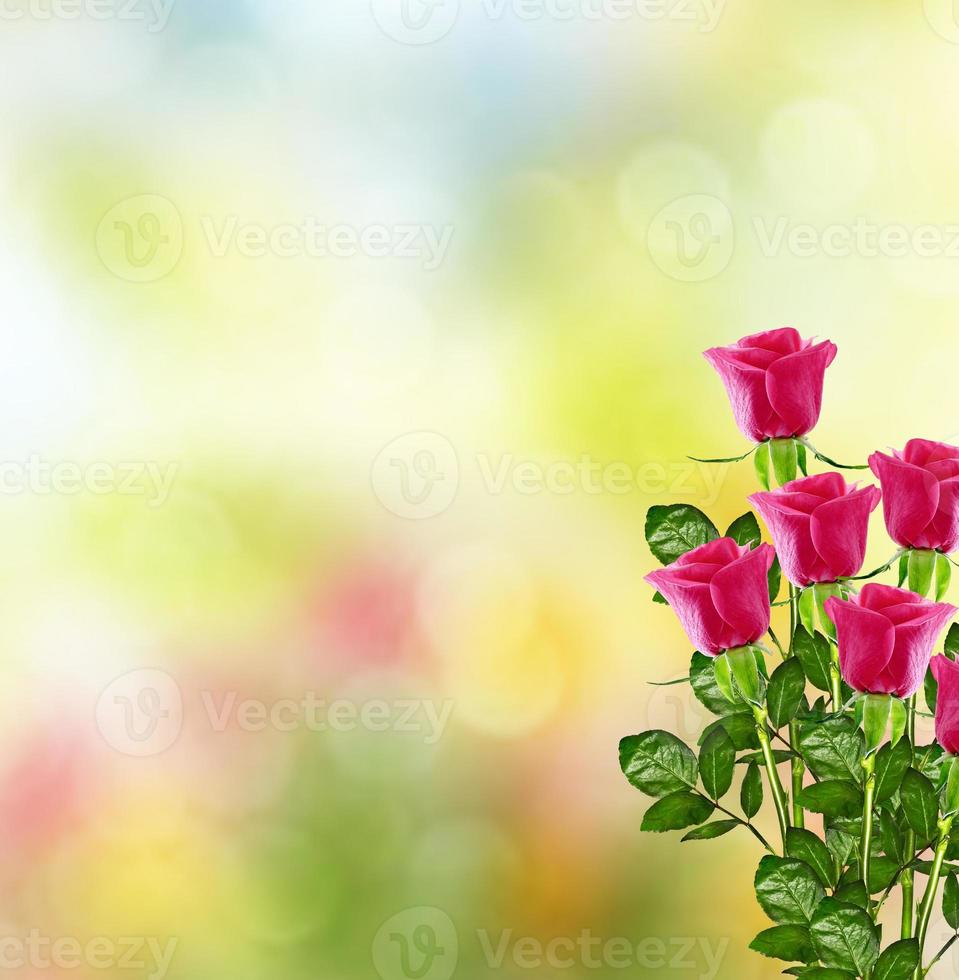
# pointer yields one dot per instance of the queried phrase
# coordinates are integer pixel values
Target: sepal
(950, 792)
(921, 568)
(873, 712)
(943, 576)
(785, 460)
(747, 677)
(762, 464)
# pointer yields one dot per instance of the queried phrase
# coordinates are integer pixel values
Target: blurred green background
(346, 345)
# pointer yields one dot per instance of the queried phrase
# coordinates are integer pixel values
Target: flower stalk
(775, 785)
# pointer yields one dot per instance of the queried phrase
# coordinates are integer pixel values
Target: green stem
(929, 898)
(865, 853)
(835, 677)
(908, 880)
(775, 786)
(798, 766)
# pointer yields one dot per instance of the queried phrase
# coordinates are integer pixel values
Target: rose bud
(946, 672)
(818, 526)
(886, 636)
(920, 494)
(720, 593)
(774, 381)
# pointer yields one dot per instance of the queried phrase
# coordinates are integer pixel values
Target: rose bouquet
(822, 723)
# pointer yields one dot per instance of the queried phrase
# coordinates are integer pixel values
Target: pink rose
(946, 672)
(920, 494)
(774, 381)
(886, 637)
(720, 593)
(818, 525)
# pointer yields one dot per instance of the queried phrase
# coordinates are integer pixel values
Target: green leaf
(832, 748)
(841, 845)
(950, 901)
(780, 756)
(951, 645)
(745, 530)
(787, 890)
(881, 872)
(676, 812)
(717, 760)
(790, 943)
(709, 831)
(813, 653)
(741, 728)
(657, 763)
(928, 760)
(892, 761)
(674, 529)
(823, 973)
(775, 579)
(785, 691)
(702, 677)
(833, 798)
(751, 791)
(806, 846)
(844, 937)
(853, 893)
(899, 961)
(890, 836)
(920, 804)
(930, 689)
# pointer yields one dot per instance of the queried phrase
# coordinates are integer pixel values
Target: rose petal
(866, 643)
(746, 388)
(782, 340)
(910, 498)
(740, 593)
(800, 561)
(794, 386)
(838, 529)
